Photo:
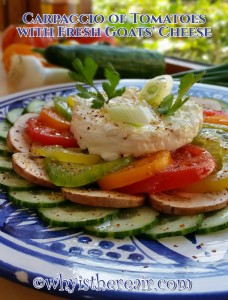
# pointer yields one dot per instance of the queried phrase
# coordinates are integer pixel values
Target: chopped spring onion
(217, 74)
(156, 89)
(135, 115)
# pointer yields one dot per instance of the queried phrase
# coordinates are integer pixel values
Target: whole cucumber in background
(128, 62)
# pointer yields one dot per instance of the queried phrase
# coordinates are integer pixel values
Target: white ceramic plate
(73, 264)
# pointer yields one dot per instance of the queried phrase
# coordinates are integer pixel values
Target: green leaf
(111, 75)
(76, 77)
(97, 103)
(90, 69)
(77, 64)
(106, 87)
(168, 106)
(83, 92)
(119, 92)
(113, 80)
(187, 82)
(85, 72)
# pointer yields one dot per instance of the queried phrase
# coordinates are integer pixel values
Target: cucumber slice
(34, 106)
(131, 221)
(174, 226)
(12, 182)
(214, 221)
(6, 164)
(4, 149)
(14, 114)
(75, 175)
(208, 103)
(76, 215)
(4, 128)
(37, 198)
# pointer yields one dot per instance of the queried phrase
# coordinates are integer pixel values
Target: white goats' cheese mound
(95, 131)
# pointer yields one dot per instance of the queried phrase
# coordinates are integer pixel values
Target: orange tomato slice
(51, 118)
(216, 119)
(140, 169)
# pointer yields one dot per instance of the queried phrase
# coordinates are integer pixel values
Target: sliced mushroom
(31, 168)
(17, 139)
(188, 203)
(103, 198)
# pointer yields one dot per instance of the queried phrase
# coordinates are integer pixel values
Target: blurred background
(204, 50)
(207, 50)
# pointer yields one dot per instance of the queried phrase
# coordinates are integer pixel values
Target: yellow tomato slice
(210, 184)
(214, 142)
(140, 169)
(71, 102)
(65, 155)
(51, 118)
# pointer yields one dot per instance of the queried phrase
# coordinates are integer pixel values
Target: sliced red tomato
(49, 136)
(190, 164)
(210, 112)
(51, 118)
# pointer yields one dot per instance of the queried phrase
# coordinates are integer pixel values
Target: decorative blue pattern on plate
(99, 268)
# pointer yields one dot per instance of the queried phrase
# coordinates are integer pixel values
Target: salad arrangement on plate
(120, 162)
